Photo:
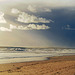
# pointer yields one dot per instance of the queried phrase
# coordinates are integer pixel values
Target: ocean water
(22, 54)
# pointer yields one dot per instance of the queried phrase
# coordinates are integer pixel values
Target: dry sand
(63, 65)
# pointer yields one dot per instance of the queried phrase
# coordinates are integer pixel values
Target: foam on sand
(16, 60)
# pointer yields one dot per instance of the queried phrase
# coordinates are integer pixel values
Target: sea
(27, 54)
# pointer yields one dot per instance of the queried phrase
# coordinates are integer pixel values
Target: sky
(37, 23)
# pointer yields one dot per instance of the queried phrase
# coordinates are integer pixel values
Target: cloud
(26, 18)
(69, 28)
(47, 10)
(38, 27)
(5, 29)
(30, 27)
(2, 20)
(34, 9)
(15, 11)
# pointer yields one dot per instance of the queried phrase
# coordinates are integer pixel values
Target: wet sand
(63, 65)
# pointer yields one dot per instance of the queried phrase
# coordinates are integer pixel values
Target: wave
(21, 54)
(36, 50)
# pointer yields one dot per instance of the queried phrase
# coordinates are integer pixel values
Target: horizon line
(38, 47)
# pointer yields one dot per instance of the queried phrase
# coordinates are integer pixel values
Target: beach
(37, 37)
(59, 65)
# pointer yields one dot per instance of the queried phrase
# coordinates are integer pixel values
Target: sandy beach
(63, 65)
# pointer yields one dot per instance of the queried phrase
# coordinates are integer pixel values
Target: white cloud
(4, 29)
(2, 20)
(27, 27)
(15, 11)
(26, 18)
(47, 10)
(32, 8)
(38, 27)
(13, 27)
(30, 27)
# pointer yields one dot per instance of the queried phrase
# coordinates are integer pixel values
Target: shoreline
(22, 60)
(57, 65)
(30, 59)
